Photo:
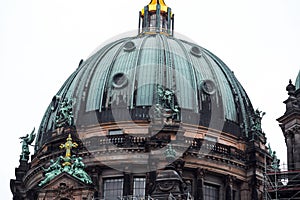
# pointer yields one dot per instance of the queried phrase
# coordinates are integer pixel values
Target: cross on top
(68, 146)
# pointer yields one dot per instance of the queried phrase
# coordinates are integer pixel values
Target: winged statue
(26, 141)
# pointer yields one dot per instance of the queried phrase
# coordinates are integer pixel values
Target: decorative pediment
(66, 178)
(65, 186)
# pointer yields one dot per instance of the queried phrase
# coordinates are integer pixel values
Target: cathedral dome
(121, 82)
(149, 116)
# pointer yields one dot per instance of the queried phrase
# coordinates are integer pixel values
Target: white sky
(42, 42)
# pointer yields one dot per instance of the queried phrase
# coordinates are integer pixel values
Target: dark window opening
(211, 192)
(113, 188)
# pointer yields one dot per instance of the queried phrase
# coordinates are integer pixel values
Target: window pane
(211, 192)
(113, 188)
(139, 185)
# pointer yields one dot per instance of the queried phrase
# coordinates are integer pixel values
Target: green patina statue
(256, 120)
(166, 97)
(69, 164)
(275, 162)
(170, 153)
(166, 106)
(255, 123)
(78, 171)
(26, 141)
(270, 149)
(52, 171)
(64, 116)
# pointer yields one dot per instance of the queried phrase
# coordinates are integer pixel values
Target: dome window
(196, 51)
(129, 46)
(209, 87)
(119, 80)
(55, 102)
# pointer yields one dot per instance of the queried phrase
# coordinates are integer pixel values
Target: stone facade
(231, 167)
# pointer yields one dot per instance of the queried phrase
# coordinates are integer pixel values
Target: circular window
(196, 51)
(208, 86)
(129, 46)
(119, 80)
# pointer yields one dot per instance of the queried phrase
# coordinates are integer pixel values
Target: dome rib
(169, 62)
(96, 82)
(147, 72)
(225, 90)
(193, 79)
(107, 85)
(138, 61)
(235, 89)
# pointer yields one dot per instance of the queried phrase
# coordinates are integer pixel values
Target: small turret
(290, 88)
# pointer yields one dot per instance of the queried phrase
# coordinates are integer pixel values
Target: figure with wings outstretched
(26, 141)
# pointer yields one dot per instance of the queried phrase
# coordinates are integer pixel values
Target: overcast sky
(42, 42)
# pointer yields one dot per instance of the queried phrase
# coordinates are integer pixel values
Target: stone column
(297, 148)
(95, 174)
(228, 187)
(245, 192)
(150, 180)
(199, 184)
(128, 184)
(289, 144)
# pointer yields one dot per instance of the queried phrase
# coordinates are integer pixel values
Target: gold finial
(152, 6)
(153, 3)
(68, 146)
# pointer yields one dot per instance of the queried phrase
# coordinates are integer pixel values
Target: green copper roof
(127, 72)
(297, 84)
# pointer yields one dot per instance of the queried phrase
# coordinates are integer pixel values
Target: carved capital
(201, 173)
(296, 129)
(289, 134)
(229, 179)
(179, 164)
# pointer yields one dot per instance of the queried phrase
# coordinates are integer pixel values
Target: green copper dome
(124, 75)
(297, 84)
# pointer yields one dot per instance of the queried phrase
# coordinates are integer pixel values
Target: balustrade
(129, 141)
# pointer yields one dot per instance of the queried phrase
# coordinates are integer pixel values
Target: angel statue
(26, 141)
